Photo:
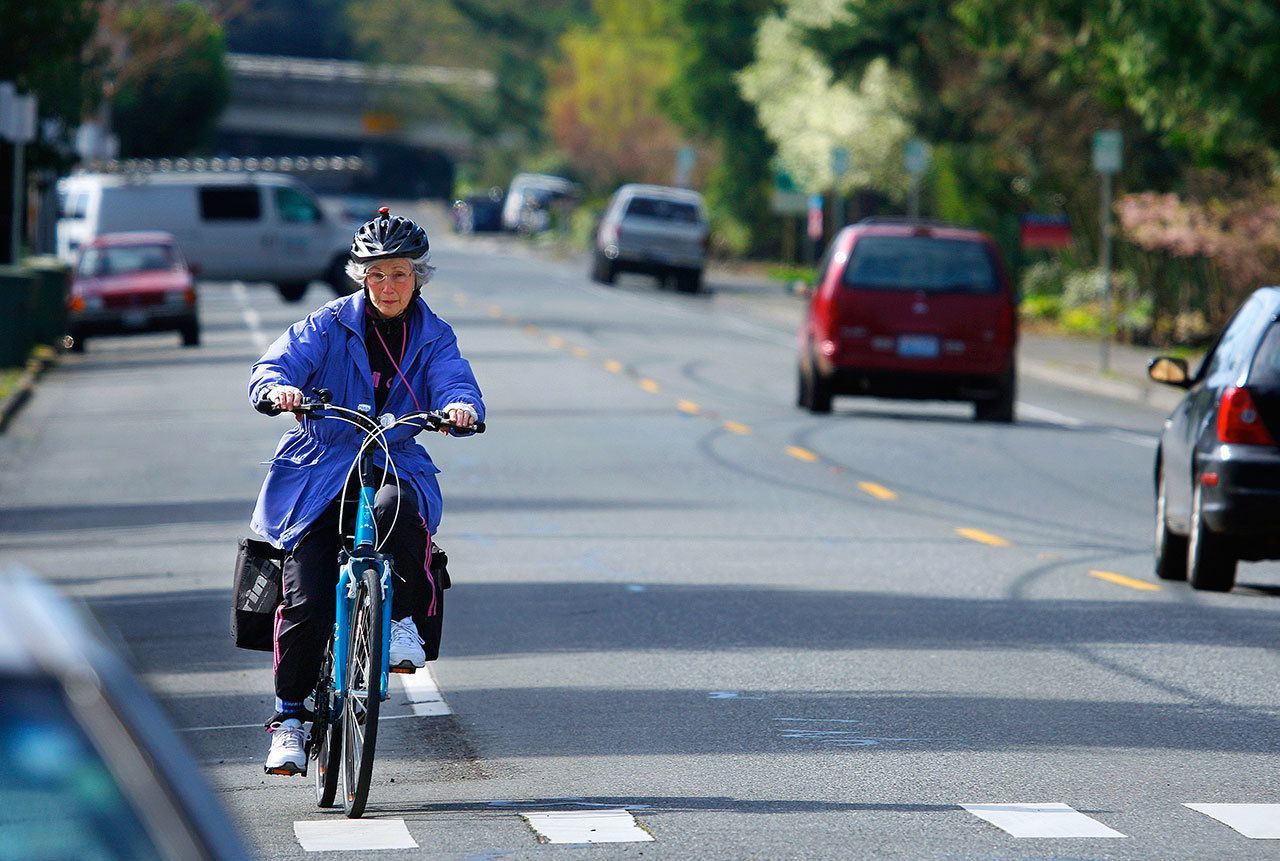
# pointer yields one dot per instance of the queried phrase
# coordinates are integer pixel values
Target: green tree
(174, 82)
(43, 47)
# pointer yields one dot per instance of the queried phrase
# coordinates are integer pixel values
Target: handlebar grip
(267, 408)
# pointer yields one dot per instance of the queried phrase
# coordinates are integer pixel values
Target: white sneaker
(288, 754)
(406, 646)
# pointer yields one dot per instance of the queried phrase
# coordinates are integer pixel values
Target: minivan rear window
(924, 263)
(230, 203)
(665, 210)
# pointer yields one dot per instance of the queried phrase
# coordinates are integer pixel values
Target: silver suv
(656, 230)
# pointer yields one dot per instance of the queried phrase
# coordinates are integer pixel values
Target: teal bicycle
(356, 667)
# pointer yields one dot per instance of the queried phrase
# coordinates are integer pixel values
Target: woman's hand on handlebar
(459, 418)
(285, 398)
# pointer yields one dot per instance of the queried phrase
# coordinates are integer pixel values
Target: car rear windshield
(59, 799)
(920, 263)
(122, 259)
(664, 210)
(1266, 363)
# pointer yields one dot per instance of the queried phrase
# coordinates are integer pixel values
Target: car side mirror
(1170, 371)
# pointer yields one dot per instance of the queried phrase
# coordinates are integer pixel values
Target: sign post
(686, 158)
(1108, 149)
(814, 231)
(915, 159)
(839, 167)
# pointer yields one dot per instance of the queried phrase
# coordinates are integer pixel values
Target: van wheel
(689, 280)
(292, 291)
(602, 270)
(1211, 566)
(1171, 549)
(816, 391)
(191, 335)
(804, 394)
(1000, 408)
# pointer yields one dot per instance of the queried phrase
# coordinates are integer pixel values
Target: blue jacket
(327, 350)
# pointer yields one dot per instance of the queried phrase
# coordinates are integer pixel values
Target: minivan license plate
(134, 319)
(918, 346)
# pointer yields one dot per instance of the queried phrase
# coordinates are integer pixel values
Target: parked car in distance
(126, 283)
(478, 213)
(93, 768)
(231, 226)
(909, 309)
(656, 230)
(528, 196)
(1217, 468)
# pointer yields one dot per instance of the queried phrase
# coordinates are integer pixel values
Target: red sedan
(132, 282)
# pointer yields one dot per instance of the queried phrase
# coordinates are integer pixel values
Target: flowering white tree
(806, 113)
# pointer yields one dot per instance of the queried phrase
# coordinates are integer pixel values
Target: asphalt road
(755, 632)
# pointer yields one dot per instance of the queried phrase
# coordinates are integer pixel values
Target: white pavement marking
(1040, 820)
(1256, 821)
(251, 318)
(349, 834)
(587, 826)
(1064, 420)
(423, 695)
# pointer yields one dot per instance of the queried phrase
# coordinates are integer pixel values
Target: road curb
(17, 399)
(1090, 382)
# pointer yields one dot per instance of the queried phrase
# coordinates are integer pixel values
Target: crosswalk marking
(1256, 821)
(336, 834)
(1053, 819)
(586, 826)
(422, 693)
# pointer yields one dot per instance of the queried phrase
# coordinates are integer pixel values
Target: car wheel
(338, 279)
(1211, 566)
(1001, 407)
(804, 394)
(821, 391)
(292, 291)
(191, 335)
(602, 270)
(1171, 549)
(689, 281)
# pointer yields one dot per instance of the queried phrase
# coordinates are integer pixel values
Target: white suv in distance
(656, 230)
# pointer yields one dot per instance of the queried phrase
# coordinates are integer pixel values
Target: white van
(230, 226)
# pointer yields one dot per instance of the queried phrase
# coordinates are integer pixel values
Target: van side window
(296, 207)
(230, 203)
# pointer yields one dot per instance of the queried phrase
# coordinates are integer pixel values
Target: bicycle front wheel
(364, 694)
(326, 735)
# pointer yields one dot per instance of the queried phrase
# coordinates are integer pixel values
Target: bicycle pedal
(406, 668)
(286, 770)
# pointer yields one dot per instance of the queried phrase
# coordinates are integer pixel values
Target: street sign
(22, 128)
(789, 202)
(686, 158)
(839, 162)
(8, 95)
(1048, 232)
(1108, 151)
(915, 157)
(815, 217)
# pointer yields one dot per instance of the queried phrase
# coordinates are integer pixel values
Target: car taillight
(75, 303)
(190, 295)
(1238, 419)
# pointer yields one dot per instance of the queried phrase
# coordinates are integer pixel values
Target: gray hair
(422, 269)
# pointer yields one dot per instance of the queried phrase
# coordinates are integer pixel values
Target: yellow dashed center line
(801, 453)
(650, 386)
(613, 366)
(556, 342)
(737, 427)
(531, 329)
(495, 311)
(982, 537)
(1121, 580)
(879, 491)
(580, 352)
(688, 407)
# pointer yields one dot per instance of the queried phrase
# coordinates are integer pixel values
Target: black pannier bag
(258, 590)
(431, 628)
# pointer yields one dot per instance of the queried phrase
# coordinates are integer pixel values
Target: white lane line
(586, 826)
(251, 318)
(1134, 438)
(353, 834)
(422, 693)
(1064, 420)
(1040, 820)
(1256, 821)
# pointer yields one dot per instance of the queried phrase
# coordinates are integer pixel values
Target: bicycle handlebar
(433, 420)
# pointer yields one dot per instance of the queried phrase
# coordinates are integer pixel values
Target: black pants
(304, 620)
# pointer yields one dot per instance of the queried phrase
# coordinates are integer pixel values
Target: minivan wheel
(292, 291)
(1211, 566)
(804, 394)
(1001, 407)
(1171, 549)
(191, 335)
(689, 280)
(821, 391)
(602, 270)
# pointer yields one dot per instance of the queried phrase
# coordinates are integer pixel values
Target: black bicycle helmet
(386, 237)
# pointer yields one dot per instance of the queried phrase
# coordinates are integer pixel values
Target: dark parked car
(132, 282)
(92, 767)
(1217, 471)
(479, 213)
(905, 309)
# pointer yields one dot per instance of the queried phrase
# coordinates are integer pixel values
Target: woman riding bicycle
(382, 346)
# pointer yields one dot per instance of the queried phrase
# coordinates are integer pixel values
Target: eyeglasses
(377, 279)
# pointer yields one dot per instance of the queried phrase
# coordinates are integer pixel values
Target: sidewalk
(1076, 363)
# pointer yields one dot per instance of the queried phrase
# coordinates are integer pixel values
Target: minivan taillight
(1238, 419)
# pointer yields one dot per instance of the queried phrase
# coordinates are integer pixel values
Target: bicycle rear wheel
(326, 735)
(364, 694)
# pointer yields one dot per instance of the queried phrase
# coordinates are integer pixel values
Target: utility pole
(1108, 149)
(915, 158)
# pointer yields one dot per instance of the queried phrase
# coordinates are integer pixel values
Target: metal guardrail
(350, 71)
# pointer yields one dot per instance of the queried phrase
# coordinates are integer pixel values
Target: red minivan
(908, 309)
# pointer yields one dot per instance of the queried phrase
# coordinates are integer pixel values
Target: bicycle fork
(348, 588)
